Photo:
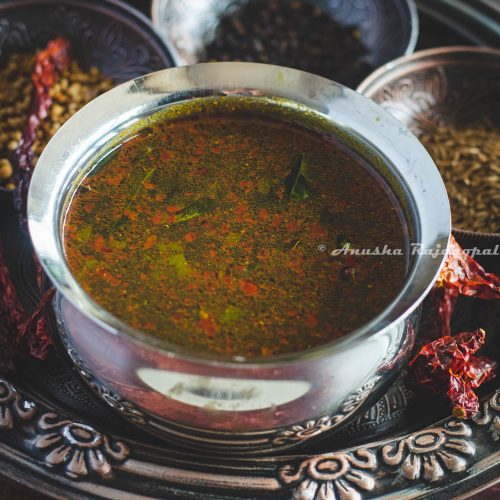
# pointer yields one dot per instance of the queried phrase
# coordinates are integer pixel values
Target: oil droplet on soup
(215, 232)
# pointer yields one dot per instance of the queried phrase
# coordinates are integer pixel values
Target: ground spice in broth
(208, 231)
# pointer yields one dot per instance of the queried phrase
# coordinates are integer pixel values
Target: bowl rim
(377, 80)
(368, 85)
(413, 22)
(43, 202)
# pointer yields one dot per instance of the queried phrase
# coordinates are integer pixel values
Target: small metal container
(442, 86)
(388, 28)
(233, 405)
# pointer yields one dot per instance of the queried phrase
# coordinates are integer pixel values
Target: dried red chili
(448, 366)
(48, 65)
(12, 317)
(460, 275)
(20, 332)
(34, 335)
(466, 276)
(439, 306)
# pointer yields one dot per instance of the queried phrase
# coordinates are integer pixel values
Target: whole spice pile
(73, 89)
(15, 95)
(469, 161)
(46, 90)
(297, 34)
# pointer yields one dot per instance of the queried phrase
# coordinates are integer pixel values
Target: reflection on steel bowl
(216, 402)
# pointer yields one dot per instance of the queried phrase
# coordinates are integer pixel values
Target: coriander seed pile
(74, 89)
(15, 95)
(469, 161)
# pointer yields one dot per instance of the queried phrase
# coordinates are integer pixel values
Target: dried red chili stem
(466, 276)
(35, 336)
(464, 400)
(48, 65)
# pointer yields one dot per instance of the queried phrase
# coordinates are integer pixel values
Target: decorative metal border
(442, 456)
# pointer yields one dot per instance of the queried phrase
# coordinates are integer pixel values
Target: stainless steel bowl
(233, 404)
(389, 28)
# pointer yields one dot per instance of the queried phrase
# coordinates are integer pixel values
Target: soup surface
(215, 231)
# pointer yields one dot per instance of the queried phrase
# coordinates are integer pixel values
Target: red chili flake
(99, 243)
(156, 218)
(264, 214)
(265, 351)
(264, 254)
(212, 253)
(150, 242)
(130, 214)
(225, 228)
(149, 325)
(317, 231)
(248, 288)
(312, 321)
(173, 209)
(292, 226)
(189, 237)
(463, 274)
(292, 313)
(108, 277)
(149, 185)
(113, 180)
(166, 155)
(209, 326)
(89, 207)
(241, 208)
(295, 265)
(448, 366)
(277, 220)
(160, 197)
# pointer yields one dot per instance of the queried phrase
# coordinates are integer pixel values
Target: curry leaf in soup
(296, 183)
(195, 209)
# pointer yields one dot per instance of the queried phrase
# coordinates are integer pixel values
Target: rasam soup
(213, 227)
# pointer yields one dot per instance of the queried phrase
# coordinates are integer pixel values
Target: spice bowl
(387, 29)
(111, 36)
(434, 89)
(229, 404)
